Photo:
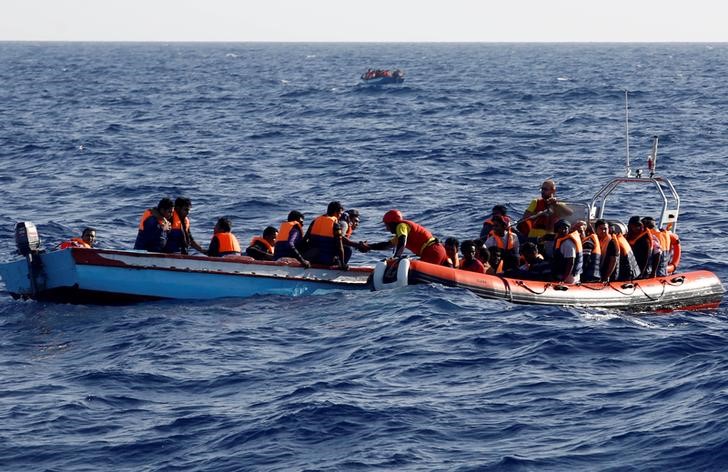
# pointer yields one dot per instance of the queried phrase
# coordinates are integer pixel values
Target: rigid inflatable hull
(697, 289)
(107, 276)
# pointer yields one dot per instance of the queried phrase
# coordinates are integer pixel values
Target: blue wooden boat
(79, 275)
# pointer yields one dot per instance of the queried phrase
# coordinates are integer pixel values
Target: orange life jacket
(593, 258)
(285, 229)
(268, 246)
(146, 215)
(559, 259)
(227, 244)
(177, 223)
(74, 242)
(323, 226)
(418, 238)
(628, 267)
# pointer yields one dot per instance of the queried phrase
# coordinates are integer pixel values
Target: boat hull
(103, 276)
(689, 290)
(383, 81)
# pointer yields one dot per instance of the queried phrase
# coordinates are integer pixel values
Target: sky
(365, 20)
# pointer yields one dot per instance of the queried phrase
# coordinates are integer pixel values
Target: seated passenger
(223, 243)
(628, 269)
(289, 242)
(410, 235)
(534, 266)
(661, 248)
(609, 252)
(324, 239)
(348, 223)
(470, 262)
(180, 239)
(503, 246)
(262, 248)
(452, 248)
(87, 240)
(591, 252)
(641, 242)
(567, 263)
(154, 227)
(498, 210)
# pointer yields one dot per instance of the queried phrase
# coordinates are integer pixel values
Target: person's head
(352, 217)
(392, 218)
(634, 225)
(468, 250)
(499, 210)
(165, 207)
(648, 222)
(548, 189)
(182, 206)
(499, 225)
(89, 236)
(482, 253)
(601, 227)
(452, 246)
(270, 234)
(529, 251)
(562, 227)
(223, 225)
(295, 215)
(335, 208)
(580, 226)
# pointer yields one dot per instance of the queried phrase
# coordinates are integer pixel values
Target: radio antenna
(626, 128)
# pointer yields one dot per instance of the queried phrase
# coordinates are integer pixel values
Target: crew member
(539, 218)
(154, 227)
(262, 248)
(224, 242)
(87, 240)
(410, 235)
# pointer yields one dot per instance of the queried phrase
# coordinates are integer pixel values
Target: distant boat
(382, 77)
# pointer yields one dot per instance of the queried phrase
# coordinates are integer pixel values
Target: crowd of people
(542, 245)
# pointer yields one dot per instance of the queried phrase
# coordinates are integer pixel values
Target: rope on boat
(601, 286)
(664, 285)
(521, 283)
(679, 280)
(625, 286)
(509, 292)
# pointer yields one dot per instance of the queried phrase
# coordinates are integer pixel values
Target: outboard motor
(27, 239)
(29, 245)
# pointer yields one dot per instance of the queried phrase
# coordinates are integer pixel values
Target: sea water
(420, 378)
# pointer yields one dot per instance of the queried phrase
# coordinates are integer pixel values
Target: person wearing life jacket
(349, 222)
(641, 242)
(470, 262)
(261, 248)
(223, 242)
(289, 242)
(591, 252)
(534, 266)
(180, 239)
(412, 236)
(609, 249)
(662, 239)
(87, 240)
(324, 239)
(154, 227)
(628, 268)
(452, 248)
(567, 262)
(498, 210)
(539, 218)
(503, 246)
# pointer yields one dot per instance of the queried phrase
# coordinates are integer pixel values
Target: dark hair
(482, 252)
(529, 248)
(352, 213)
(467, 245)
(165, 204)
(269, 231)
(334, 207)
(500, 219)
(452, 242)
(500, 209)
(180, 202)
(635, 220)
(295, 215)
(87, 230)
(224, 225)
(600, 222)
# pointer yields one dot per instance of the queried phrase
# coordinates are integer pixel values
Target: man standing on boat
(539, 218)
(154, 227)
(410, 235)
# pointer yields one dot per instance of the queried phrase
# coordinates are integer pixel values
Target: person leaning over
(410, 235)
(224, 242)
(87, 240)
(290, 239)
(348, 223)
(180, 237)
(154, 227)
(262, 248)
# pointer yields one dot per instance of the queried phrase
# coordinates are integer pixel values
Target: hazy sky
(364, 20)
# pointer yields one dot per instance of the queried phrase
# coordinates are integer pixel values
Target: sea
(422, 378)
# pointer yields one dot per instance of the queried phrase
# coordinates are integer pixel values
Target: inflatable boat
(382, 77)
